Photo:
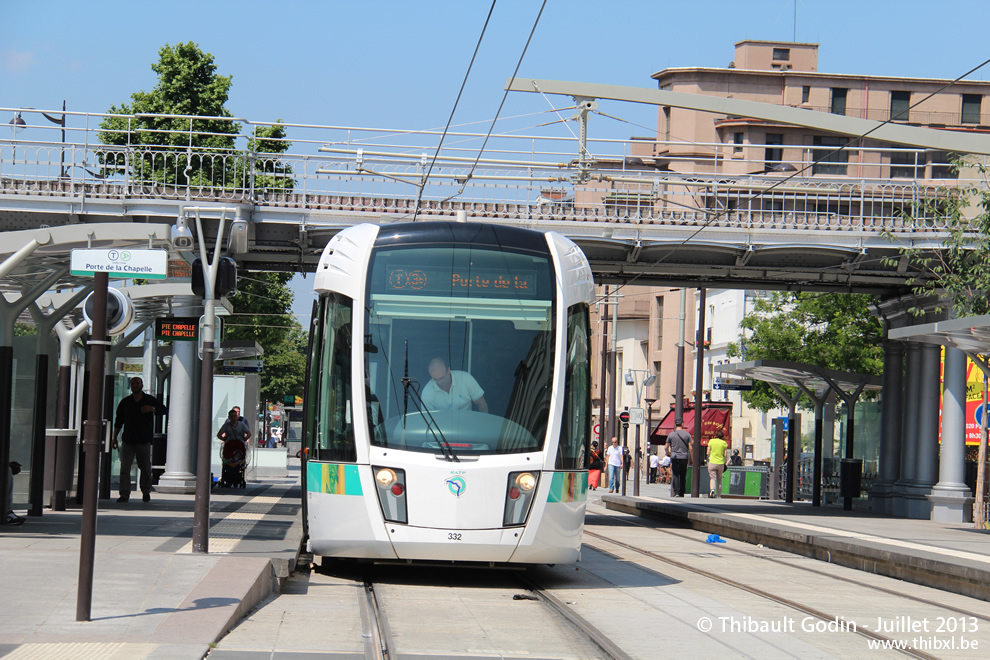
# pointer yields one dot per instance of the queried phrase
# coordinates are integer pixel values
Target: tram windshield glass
(459, 350)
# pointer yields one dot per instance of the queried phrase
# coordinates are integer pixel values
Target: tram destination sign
(147, 264)
(492, 282)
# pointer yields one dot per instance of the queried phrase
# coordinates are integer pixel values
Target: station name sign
(147, 264)
(179, 328)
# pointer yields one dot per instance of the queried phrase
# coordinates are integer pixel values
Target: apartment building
(732, 159)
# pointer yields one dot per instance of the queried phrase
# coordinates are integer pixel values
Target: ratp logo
(456, 486)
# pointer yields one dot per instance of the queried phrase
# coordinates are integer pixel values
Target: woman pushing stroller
(233, 452)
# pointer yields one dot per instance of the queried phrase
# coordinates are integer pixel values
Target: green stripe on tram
(569, 487)
(333, 478)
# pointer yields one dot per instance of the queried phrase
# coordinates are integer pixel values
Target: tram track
(807, 569)
(378, 638)
(762, 593)
(588, 630)
(393, 599)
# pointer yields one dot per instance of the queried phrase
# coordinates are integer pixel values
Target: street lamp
(647, 380)
(17, 124)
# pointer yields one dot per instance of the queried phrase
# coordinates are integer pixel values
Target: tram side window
(575, 428)
(317, 324)
(334, 416)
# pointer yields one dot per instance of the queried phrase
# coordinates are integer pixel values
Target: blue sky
(400, 63)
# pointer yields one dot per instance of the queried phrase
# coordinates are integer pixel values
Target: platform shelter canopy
(814, 378)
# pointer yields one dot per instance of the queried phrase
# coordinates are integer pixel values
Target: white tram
(447, 414)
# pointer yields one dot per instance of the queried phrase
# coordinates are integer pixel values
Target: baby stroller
(233, 458)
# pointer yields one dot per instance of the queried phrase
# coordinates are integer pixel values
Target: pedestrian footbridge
(769, 230)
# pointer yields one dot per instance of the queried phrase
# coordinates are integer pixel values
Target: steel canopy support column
(792, 435)
(909, 446)
(819, 401)
(45, 324)
(951, 499)
(699, 353)
(918, 504)
(891, 423)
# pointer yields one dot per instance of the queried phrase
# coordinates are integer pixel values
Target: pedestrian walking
(136, 416)
(613, 456)
(717, 452)
(679, 449)
(654, 466)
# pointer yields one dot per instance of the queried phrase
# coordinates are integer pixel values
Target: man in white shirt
(614, 457)
(654, 464)
(452, 390)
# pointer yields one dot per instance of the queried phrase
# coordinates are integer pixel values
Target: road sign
(733, 384)
(637, 416)
(596, 430)
(624, 416)
(147, 264)
(242, 366)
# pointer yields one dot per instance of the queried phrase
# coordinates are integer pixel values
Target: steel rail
(913, 653)
(582, 625)
(380, 646)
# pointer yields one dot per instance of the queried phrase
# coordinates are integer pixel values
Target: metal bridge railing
(349, 176)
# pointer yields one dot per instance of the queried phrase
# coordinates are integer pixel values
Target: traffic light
(226, 278)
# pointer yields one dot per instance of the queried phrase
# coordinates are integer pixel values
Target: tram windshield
(459, 351)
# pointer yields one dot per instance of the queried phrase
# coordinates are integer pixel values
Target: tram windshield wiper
(431, 423)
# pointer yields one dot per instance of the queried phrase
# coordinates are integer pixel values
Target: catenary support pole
(91, 447)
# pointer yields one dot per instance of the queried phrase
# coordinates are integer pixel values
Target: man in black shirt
(136, 415)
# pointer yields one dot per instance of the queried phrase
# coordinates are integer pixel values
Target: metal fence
(341, 168)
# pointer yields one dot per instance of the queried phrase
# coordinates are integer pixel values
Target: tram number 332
(454, 536)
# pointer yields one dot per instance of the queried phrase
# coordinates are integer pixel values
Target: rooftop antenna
(795, 21)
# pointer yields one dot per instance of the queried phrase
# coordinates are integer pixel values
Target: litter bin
(850, 476)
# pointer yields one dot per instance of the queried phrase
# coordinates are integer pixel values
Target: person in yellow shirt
(717, 452)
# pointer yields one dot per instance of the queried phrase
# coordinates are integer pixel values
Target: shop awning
(715, 416)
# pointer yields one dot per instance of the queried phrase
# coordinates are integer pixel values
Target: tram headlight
(519, 495)
(390, 483)
(526, 481)
(385, 477)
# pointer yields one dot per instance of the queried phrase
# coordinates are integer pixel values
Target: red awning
(714, 417)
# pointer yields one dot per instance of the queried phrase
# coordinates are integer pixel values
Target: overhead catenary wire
(419, 196)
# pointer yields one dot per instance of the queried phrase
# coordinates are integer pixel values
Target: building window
(737, 142)
(774, 154)
(942, 166)
(905, 164)
(782, 54)
(971, 108)
(805, 93)
(900, 105)
(838, 106)
(832, 160)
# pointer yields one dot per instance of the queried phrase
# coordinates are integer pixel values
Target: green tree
(958, 275)
(188, 150)
(831, 330)
(261, 313)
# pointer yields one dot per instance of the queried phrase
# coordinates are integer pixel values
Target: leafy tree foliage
(960, 274)
(832, 330)
(189, 85)
(261, 313)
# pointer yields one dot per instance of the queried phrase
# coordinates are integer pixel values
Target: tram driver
(452, 390)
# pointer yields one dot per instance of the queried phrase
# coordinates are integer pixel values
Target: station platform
(152, 597)
(952, 557)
